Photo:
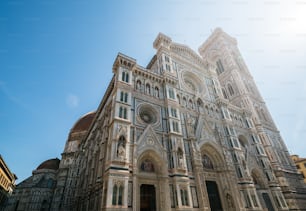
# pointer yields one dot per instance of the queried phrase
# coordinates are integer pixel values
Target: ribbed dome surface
(83, 123)
(49, 164)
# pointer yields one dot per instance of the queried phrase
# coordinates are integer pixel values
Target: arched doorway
(217, 180)
(152, 184)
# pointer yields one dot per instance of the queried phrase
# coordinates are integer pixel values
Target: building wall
(188, 132)
(7, 182)
(180, 128)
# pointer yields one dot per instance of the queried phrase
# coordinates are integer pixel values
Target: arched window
(124, 96)
(118, 190)
(120, 194)
(125, 76)
(220, 68)
(114, 202)
(123, 112)
(230, 89)
(184, 197)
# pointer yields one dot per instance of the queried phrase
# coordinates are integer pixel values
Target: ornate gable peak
(187, 52)
(217, 36)
(149, 140)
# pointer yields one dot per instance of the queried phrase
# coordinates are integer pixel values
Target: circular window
(192, 82)
(147, 114)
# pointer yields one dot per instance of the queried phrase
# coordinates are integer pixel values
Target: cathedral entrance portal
(213, 195)
(147, 198)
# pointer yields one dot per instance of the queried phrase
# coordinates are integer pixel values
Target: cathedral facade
(188, 132)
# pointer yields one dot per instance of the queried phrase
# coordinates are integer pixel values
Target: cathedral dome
(83, 123)
(52, 164)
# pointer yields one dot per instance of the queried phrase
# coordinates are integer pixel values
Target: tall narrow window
(220, 68)
(120, 194)
(175, 127)
(123, 97)
(117, 195)
(246, 199)
(114, 201)
(123, 112)
(125, 76)
(224, 94)
(171, 93)
(230, 89)
(184, 197)
(173, 112)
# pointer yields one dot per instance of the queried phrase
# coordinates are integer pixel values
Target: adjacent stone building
(188, 132)
(36, 192)
(7, 182)
(300, 165)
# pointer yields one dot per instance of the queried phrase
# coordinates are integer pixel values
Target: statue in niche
(156, 92)
(230, 202)
(147, 166)
(121, 148)
(138, 85)
(180, 158)
(190, 125)
(244, 162)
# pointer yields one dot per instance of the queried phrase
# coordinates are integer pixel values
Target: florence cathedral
(188, 132)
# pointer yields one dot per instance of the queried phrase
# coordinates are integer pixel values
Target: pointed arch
(211, 151)
(150, 161)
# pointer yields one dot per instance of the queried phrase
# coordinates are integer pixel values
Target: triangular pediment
(204, 130)
(149, 141)
(187, 53)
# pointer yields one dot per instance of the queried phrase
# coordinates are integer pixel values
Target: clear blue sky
(56, 61)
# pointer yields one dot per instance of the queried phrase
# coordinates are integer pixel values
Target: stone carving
(180, 158)
(122, 130)
(147, 166)
(207, 162)
(121, 148)
(191, 125)
(230, 203)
